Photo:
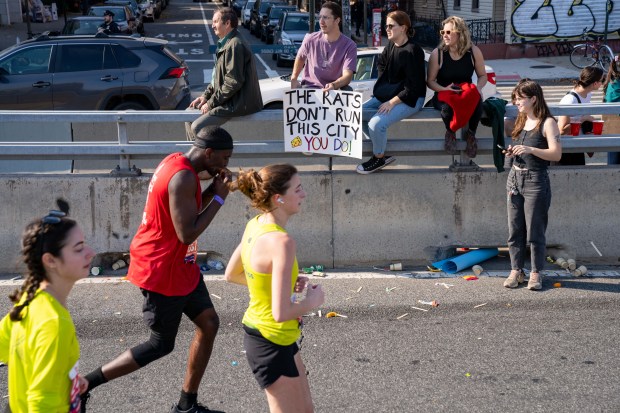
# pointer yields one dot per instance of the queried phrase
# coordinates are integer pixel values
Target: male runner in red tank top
(163, 262)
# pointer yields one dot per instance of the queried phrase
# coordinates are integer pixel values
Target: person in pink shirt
(327, 57)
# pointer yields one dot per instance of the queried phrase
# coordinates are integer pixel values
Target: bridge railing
(127, 148)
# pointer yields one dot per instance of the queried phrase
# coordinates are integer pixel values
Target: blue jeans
(380, 122)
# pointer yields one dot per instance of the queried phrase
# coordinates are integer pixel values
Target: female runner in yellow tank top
(265, 261)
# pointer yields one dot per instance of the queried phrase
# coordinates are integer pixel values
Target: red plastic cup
(597, 127)
(575, 128)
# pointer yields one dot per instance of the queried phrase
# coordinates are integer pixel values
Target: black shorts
(267, 360)
(163, 313)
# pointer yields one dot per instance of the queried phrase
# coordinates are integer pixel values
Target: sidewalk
(543, 69)
(18, 32)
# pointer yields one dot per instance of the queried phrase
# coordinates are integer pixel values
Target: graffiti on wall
(534, 20)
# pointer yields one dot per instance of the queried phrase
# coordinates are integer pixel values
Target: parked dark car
(271, 20)
(123, 16)
(237, 5)
(135, 8)
(81, 25)
(92, 73)
(259, 11)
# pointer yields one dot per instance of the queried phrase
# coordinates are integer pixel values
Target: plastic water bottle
(215, 264)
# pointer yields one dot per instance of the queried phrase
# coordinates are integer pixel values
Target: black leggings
(447, 113)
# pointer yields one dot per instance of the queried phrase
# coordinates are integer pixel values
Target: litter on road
(332, 314)
(480, 305)
(418, 308)
(402, 316)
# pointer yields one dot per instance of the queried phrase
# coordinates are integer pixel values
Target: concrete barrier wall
(347, 219)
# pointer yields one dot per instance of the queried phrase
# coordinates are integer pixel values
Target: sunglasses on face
(448, 32)
(391, 26)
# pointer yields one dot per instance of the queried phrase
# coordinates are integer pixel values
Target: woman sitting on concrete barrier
(400, 88)
(265, 261)
(590, 79)
(37, 337)
(535, 142)
(450, 70)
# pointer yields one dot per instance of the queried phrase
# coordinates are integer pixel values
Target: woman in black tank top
(453, 62)
(535, 142)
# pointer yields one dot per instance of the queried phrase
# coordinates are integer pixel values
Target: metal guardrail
(127, 149)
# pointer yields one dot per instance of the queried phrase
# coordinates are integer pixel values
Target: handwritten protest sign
(323, 122)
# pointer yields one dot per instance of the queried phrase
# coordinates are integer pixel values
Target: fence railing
(127, 149)
(482, 31)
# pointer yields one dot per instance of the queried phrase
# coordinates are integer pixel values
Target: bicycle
(591, 53)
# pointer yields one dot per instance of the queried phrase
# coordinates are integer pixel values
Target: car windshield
(119, 14)
(82, 27)
(276, 12)
(299, 23)
(264, 7)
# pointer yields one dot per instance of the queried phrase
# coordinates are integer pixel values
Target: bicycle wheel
(581, 56)
(605, 57)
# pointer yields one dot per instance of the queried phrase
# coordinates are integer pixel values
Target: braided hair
(39, 238)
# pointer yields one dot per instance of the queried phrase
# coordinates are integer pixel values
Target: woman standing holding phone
(535, 142)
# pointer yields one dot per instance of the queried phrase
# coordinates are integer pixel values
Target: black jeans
(529, 198)
(447, 114)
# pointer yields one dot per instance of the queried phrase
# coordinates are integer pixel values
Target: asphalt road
(550, 351)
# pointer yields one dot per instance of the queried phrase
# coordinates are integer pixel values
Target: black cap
(213, 137)
(108, 13)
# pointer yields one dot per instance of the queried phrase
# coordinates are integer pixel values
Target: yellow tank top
(259, 314)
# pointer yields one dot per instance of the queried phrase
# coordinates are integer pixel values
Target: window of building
(457, 4)
(475, 5)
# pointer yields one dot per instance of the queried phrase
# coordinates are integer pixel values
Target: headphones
(280, 200)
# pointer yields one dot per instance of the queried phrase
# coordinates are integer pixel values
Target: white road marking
(207, 24)
(207, 76)
(270, 73)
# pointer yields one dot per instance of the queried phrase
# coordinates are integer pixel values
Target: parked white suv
(363, 81)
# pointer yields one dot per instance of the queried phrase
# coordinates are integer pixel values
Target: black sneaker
(196, 408)
(374, 164)
(83, 400)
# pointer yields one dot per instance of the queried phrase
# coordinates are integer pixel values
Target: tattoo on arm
(557, 138)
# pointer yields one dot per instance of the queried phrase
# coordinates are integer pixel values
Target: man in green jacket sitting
(234, 89)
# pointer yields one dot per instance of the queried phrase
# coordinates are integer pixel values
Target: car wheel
(274, 56)
(279, 61)
(129, 106)
(273, 105)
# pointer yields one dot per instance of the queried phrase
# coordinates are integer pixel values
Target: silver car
(290, 30)
(246, 13)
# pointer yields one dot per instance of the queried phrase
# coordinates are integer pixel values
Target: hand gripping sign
(323, 122)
